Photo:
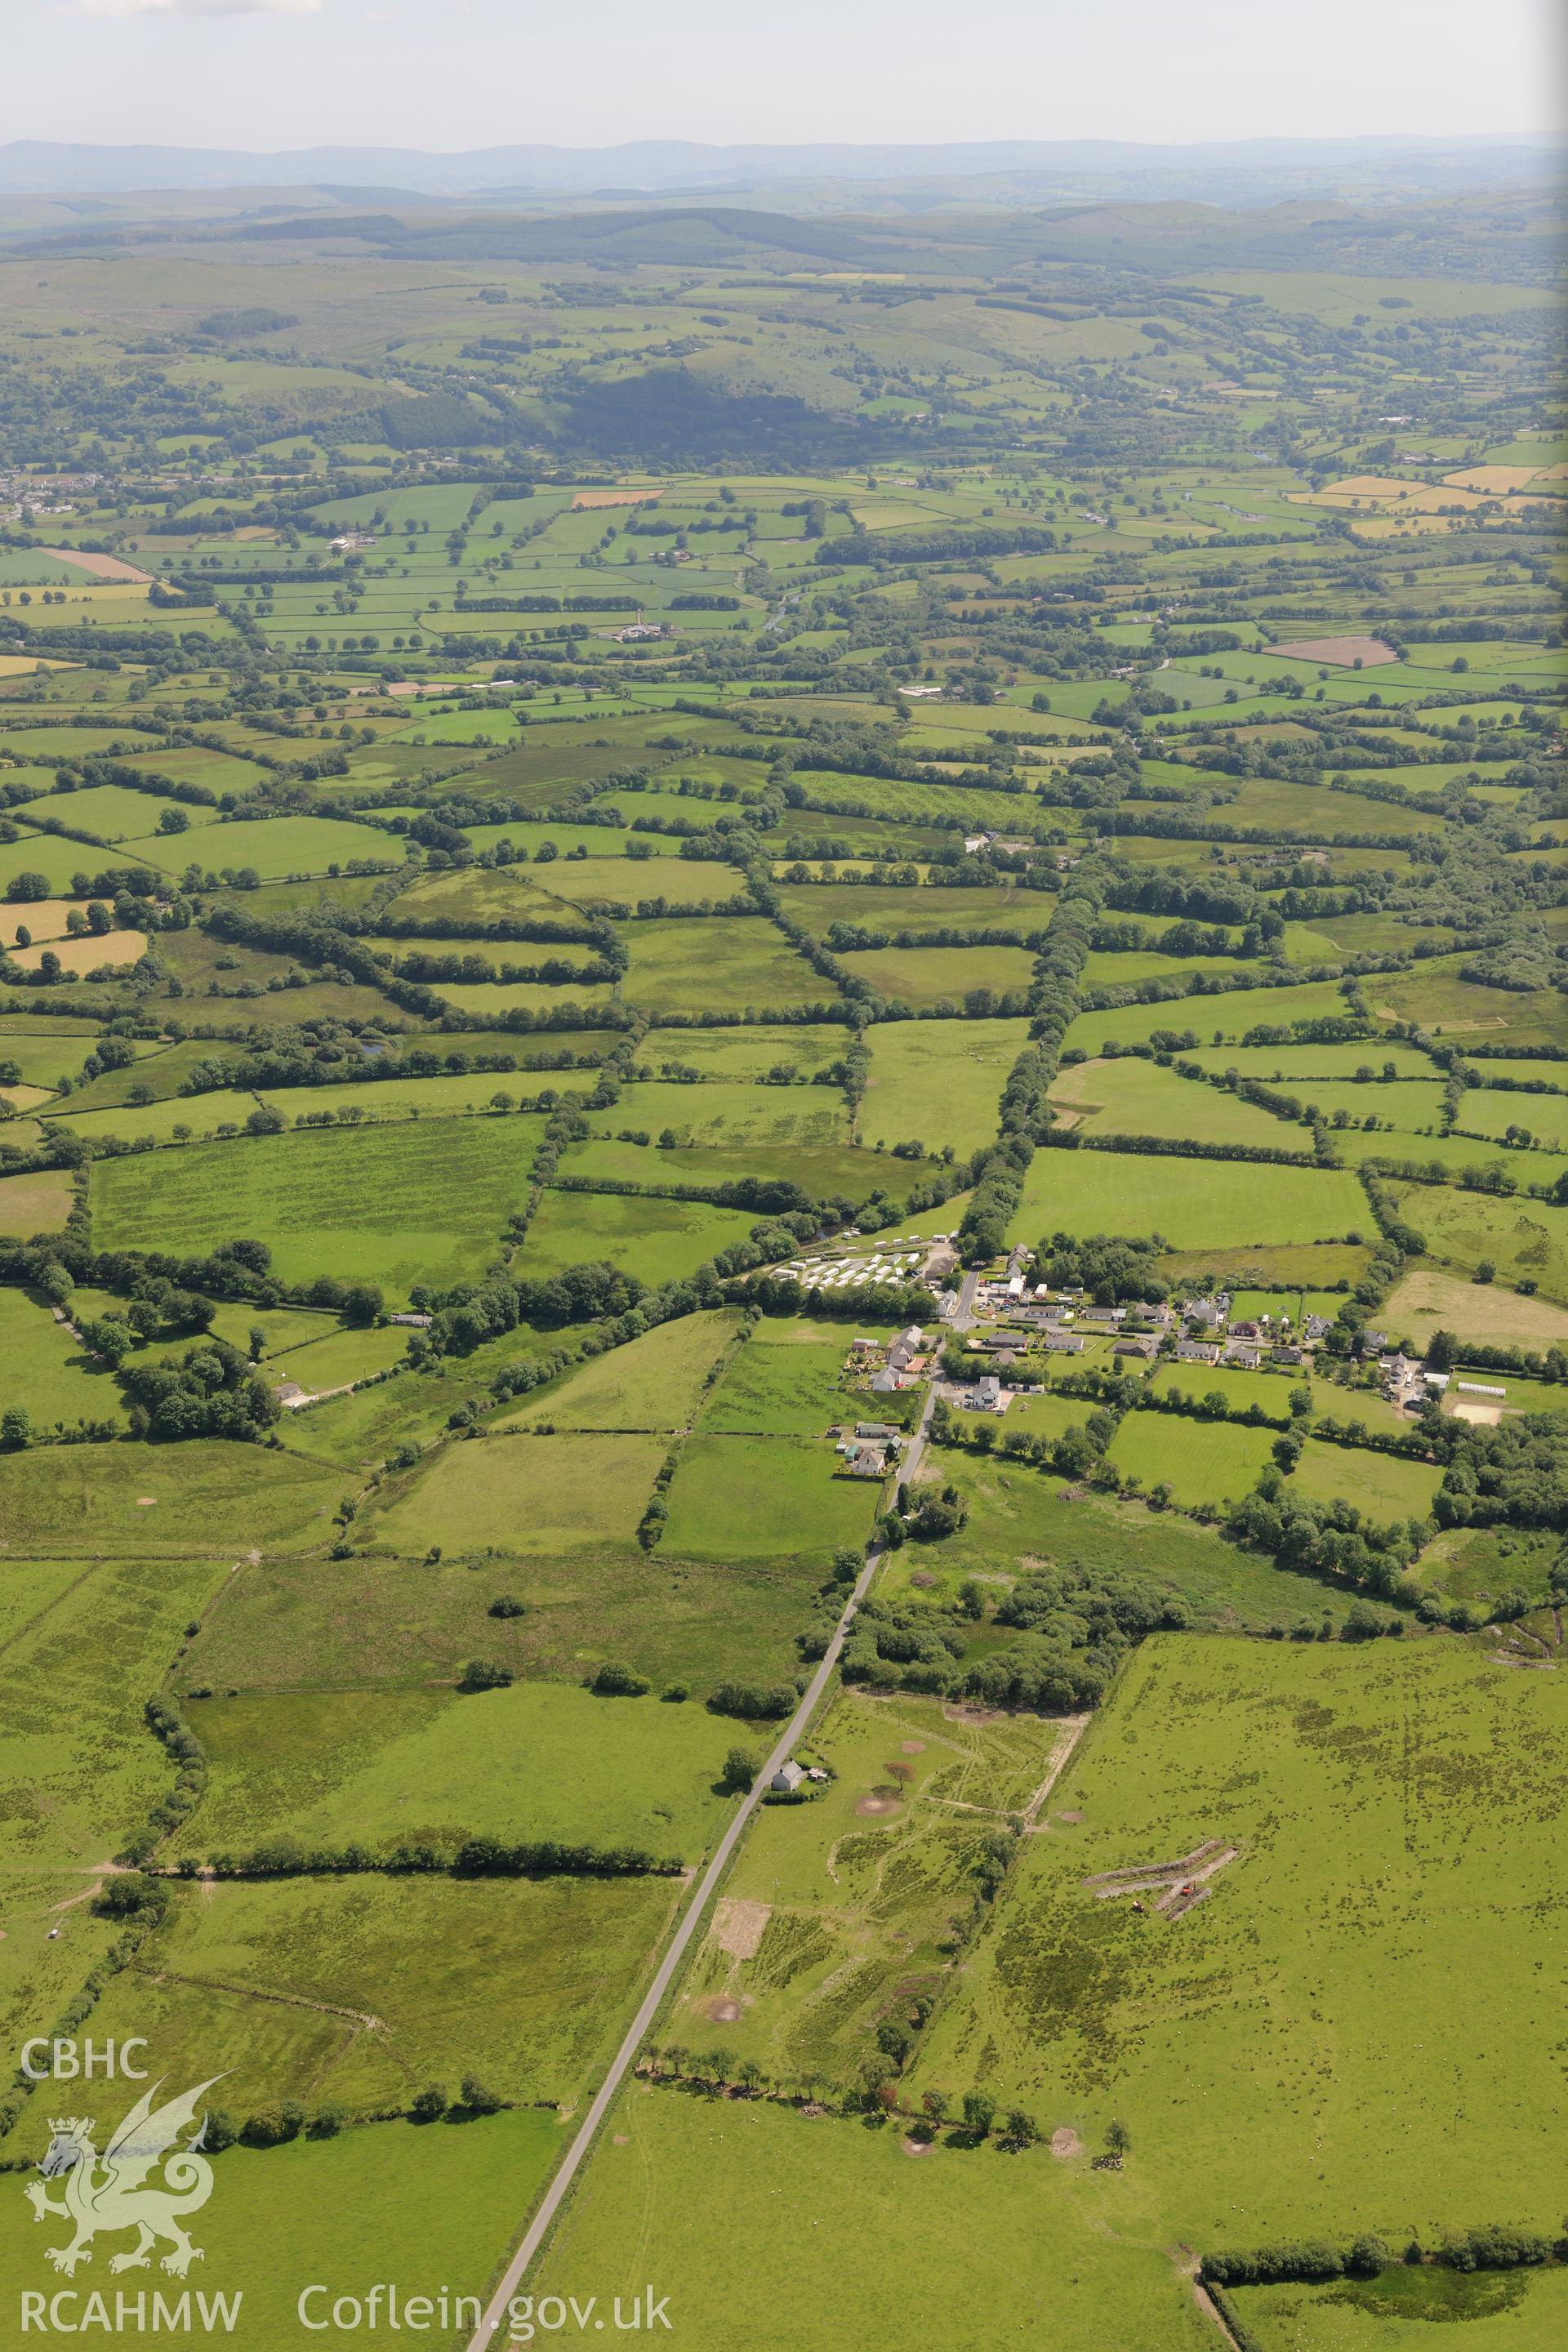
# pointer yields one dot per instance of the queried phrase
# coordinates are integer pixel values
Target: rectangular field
(422, 1201)
(1195, 1204)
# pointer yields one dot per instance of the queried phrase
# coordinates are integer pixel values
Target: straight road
(534, 2236)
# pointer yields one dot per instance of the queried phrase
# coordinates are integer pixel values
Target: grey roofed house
(1144, 1347)
(884, 1383)
(1062, 1343)
(875, 1429)
(788, 1779)
(988, 1391)
(1198, 1351)
(1245, 1353)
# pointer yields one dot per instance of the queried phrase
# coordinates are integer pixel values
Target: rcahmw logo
(145, 2182)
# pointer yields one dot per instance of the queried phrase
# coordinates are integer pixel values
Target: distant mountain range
(1242, 171)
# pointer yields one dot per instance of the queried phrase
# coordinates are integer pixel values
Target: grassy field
(1195, 1204)
(522, 1982)
(1466, 1230)
(780, 1391)
(923, 977)
(1381, 1486)
(719, 1115)
(657, 1240)
(1200, 1460)
(1217, 1020)
(722, 963)
(524, 1495)
(162, 1501)
(417, 1202)
(760, 1497)
(290, 1624)
(938, 1082)
(741, 1054)
(82, 1652)
(429, 2209)
(34, 1203)
(656, 1382)
(1489, 1111)
(1352, 1778)
(48, 1372)
(758, 2220)
(1136, 1098)
(1241, 1390)
(1425, 1301)
(537, 1760)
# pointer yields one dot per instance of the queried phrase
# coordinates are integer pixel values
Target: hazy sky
(450, 74)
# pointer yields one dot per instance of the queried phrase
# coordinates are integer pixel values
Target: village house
(788, 1779)
(1198, 1351)
(1244, 1354)
(1143, 1346)
(1062, 1343)
(988, 1393)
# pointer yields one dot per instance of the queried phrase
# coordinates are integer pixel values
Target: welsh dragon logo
(108, 2193)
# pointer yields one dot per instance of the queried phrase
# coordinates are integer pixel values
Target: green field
(938, 1082)
(1381, 1486)
(422, 1202)
(724, 963)
(165, 1501)
(310, 1623)
(80, 1654)
(273, 1983)
(538, 1760)
(656, 1382)
(1517, 2311)
(758, 2219)
(1137, 1097)
(859, 1907)
(1195, 1204)
(656, 1240)
(719, 1115)
(1349, 1778)
(926, 978)
(432, 2208)
(1201, 1462)
(530, 1495)
(53, 1376)
(762, 1497)
(780, 1391)
(1466, 1230)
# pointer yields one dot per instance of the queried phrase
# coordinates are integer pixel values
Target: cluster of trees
(213, 1391)
(1331, 1539)
(1116, 1270)
(1513, 1475)
(1491, 2246)
(287, 1856)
